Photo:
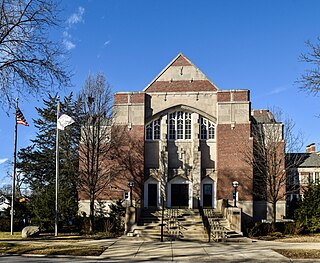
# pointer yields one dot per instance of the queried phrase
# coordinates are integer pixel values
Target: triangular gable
(180, 75)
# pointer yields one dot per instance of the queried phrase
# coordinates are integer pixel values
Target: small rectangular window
(156, 130)
(149, 131)
(187, 125)
(316, 177)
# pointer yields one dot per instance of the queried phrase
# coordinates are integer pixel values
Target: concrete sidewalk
(125, 249)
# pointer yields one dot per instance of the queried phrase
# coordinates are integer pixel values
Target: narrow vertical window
(310, 179)
(316, 177)
(180, 125)
(211, 131)
(156, 130)
(187, 125)
(203, 129)
(153, 130)
(207, 129)
(172, 126)
(149, 131)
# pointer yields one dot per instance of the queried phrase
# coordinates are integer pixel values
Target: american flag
(20, 118)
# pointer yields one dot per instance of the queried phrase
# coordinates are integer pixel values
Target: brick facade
(233, 147)
(181, 86)
(183, 137)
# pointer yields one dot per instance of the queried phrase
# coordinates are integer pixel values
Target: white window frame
(206, 128)
(154, 126)
(179, 125)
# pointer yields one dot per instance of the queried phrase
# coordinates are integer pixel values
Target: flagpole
(14, 168)
(57, 169)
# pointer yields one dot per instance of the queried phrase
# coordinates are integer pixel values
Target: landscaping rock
(30, 231)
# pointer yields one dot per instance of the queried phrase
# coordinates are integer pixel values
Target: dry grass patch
(300, 238)
(8, 236)
(47, 237)
(12, 248)
(299, 253)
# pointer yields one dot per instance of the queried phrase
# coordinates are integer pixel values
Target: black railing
(205, 221)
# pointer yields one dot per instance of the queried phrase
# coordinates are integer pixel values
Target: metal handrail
(205, 221)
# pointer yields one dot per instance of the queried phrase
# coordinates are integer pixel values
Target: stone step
(179, 224)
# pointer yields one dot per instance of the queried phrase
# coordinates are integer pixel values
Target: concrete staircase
(186, 225)
(179, 224)
(220, 227)
(149, 225)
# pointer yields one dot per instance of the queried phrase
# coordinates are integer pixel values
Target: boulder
(30, 231)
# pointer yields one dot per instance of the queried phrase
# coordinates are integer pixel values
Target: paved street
(134, 250)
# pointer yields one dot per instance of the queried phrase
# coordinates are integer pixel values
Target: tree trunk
(91, 216)
(274, 215)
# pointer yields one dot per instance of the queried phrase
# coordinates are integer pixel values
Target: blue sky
(244, 44)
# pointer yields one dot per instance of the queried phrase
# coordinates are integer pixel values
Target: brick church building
(195, 138)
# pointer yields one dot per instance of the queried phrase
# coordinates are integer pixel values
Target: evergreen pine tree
(308, 214)
(37, 164)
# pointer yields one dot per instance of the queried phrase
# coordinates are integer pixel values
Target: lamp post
(235, 185)
(131, 185)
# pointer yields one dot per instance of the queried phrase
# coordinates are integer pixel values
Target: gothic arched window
(207, 129)
(153, 130)
(179, 127)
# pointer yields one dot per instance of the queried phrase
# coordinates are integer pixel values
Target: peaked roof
(304, 159)
(180, 75)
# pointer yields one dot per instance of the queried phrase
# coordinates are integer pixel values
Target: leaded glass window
(179, 125)
(153, 130)
(187, 125)
(207, 129)
(149, 131)
(156, 129)
(172, 126)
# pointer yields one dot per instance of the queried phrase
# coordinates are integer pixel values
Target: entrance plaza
(126, 249)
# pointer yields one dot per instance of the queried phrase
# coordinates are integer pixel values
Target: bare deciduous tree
(310, 80)
(129, 156)
(273, 137)
(96, 160)
(30, 63)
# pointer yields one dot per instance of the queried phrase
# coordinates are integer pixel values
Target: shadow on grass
(14, 248)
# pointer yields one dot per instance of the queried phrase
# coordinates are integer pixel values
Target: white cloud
(68, 44)
(66, 34)
(3, 160)
(277, 90)
(76, 18)
(107, 42)
(73, 19)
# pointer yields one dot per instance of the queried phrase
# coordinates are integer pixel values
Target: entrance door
(180, 195)
(207, 195)
(152, 195)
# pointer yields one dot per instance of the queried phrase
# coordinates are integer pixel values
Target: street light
(235, 185)
(131, 185)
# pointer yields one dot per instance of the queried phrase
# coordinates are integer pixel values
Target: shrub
(281, 228)
(5, 224)
(260, 229)
(308, 214)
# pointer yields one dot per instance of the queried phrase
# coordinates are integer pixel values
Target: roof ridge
(170, 64)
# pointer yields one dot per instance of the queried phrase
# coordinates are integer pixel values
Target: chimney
(311, 148)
